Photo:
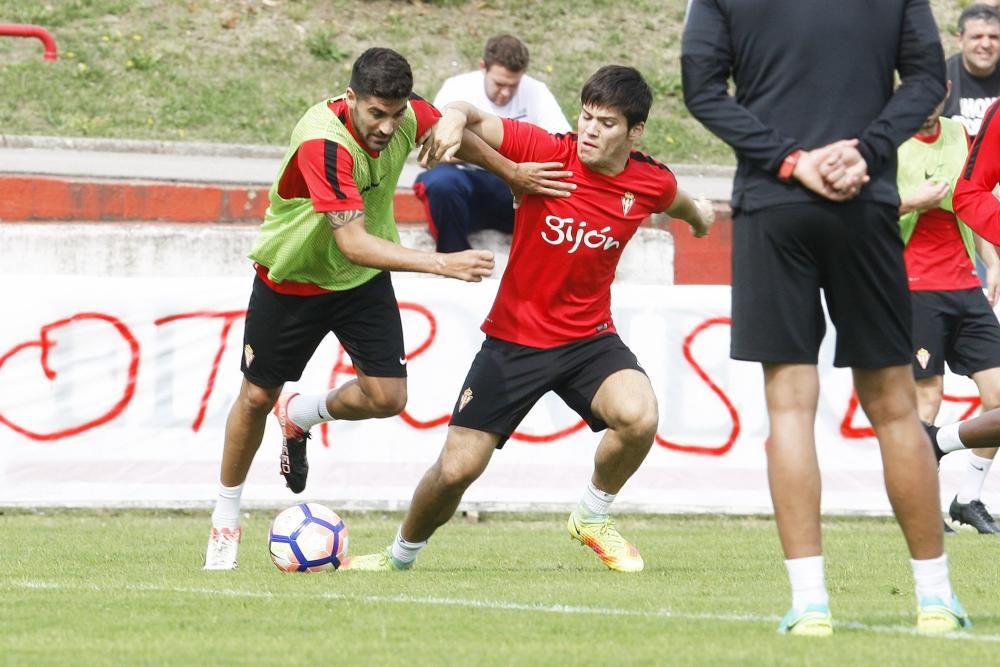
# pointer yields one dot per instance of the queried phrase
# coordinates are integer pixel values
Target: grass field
(85, 587)
(243, 71)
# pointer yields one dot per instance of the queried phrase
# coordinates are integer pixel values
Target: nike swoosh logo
(977, 467)
(927, 176)
(402, 361)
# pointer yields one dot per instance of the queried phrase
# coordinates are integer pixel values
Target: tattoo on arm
(338, 219)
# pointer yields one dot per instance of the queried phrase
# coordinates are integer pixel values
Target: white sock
(975, 476)
(595, 504)
(403, 551)
(306, 411)
(947, 438)
(808, 582)
(227, 507)
(931, 577)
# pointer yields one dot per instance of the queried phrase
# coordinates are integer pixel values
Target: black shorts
(282, 331)
(957, 326)
(506, 380)
(784, 255)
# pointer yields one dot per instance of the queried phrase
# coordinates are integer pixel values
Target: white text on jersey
(565, 230)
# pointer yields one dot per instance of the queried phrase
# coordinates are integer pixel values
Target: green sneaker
(935, 617)
(377, 562)
(814, 621)
(614, 550)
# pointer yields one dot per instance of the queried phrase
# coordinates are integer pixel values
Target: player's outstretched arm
(445, 139)
(364, 249)
(699, 213)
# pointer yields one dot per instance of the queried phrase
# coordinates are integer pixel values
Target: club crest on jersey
(248, 354)
(923, 357)
(568, 230)
(627, 200)
(464, 400)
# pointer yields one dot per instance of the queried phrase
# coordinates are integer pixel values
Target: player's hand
(835, 171)
(843, 168)
(547, 179)
(929, 195)
(993, 285)
(468, 265)
(442, 141)
(706, 217)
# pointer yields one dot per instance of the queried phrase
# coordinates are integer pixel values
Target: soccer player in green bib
(322, 260)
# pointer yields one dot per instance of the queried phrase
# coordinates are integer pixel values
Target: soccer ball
(308, 538)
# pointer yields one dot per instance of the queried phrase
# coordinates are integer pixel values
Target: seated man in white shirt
(461, 198)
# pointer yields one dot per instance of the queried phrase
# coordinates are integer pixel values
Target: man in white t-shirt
(461, 198)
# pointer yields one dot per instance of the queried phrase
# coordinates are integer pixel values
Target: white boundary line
(500, 605)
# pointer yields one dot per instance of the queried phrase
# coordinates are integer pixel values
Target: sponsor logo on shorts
(402, 361)
(627, 200)
(248, 354)
(464, 400)
(923, 357)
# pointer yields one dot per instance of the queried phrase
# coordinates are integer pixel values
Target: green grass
(243, 72)
(81, 587)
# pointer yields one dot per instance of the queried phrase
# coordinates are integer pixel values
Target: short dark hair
(507, 51)
(381, 72)
(977, 12)
(622, 88)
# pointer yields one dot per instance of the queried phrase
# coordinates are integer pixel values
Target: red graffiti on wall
(734, 432)
(849, 430)
(228, 317)
(341, 366)
(46, 342)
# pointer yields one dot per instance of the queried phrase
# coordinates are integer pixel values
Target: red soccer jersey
(557, 286)
(935, 255)
(974, 201)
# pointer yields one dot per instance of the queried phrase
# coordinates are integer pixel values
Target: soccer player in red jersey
(550, 328)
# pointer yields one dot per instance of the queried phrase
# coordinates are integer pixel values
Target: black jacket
(807, 73)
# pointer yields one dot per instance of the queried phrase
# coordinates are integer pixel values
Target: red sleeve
(427, 114)
(327, 170)
(669, 193)
(524, 142)
(974, 202)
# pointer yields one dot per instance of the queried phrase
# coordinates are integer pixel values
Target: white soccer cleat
(223, 547)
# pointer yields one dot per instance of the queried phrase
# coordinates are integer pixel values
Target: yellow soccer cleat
(814, 621)
(614, 550)
(936, 617)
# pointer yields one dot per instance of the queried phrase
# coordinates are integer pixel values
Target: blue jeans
(462, 200)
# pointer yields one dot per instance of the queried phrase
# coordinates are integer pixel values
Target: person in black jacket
(973, 71)
(815, 123)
